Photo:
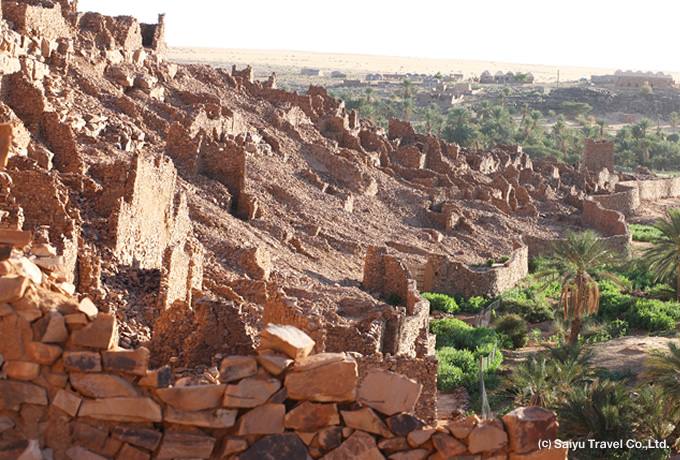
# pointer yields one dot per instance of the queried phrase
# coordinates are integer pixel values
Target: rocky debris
(286, 339)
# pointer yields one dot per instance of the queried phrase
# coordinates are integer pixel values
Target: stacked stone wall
(37, 20)
(444, 275)
(606, 221)
(598, 156)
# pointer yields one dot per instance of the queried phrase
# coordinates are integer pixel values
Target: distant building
(394, 76)
(337, 74)
(352, 83)
(501, 78)
(486, 77)
(374, 77)
(311, 72)
(638, 79)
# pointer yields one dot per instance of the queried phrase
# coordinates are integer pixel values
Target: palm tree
(643, 126)
(575, 259)
(559, 126)
(369, 94)
(484, 110)
(674, 120)
(409, 88)
(408, 108)
(602, 123)
(664, 257)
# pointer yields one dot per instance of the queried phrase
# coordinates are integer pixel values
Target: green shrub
(452, 332)
(654, 315)
(612, 301)
(645, 233)
(661, 291)
(530, 310)
(505, 259)
(490, 262)
(515, 327)
(472, 304)
(441, 302)
(394, 299)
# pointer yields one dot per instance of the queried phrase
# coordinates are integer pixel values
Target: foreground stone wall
(444, 275)
(70, 393)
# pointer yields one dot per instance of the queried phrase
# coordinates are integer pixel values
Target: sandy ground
(266, 61)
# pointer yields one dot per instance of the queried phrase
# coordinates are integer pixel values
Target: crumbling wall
(598, 156)
(61, 141)
(344, 171)
(37, 20)
(444, 275)
(70, 393)
(606, 221)
(226, 163)
(625, 200)
(148, 218)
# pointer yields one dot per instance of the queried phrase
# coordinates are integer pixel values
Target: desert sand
(357, 66)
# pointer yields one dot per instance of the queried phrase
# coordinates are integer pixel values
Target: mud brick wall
(226, 163)
(447, 276)
(598, 156)
(27, 100)
(36, 20)
(61, 141)
(153, 35)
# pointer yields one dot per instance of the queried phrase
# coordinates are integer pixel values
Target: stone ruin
(197, 208)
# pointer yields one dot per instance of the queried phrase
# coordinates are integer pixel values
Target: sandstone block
(309, 416)
(273, 363)
(82, 453)
(488, 436)
(402, 395)
(135, 362)
(250, 392)
(526, 426)
(84, 361)
(99, 334)
(87, 307)
(185, 445)
(326, 377)
(328, 438)
(195, 397)
(76, 321)
(55, 328)
(359, 445)
(122, 410)
(415, 454)
(127, 452)
(392, 445)
(211, 418)
(16, 332)
(266, 419)
(420, 436)
(403, 424)
(542, 454)
(286, 339)
(447, 446)
(157, 378)
(101, 385)
(366, 420)
(145, 438)
(462, 428)
(13, 394)
(237, 367)
(22, 370)
(89, 435)
(275, 447)
(43, 353)
(68, 402)
(12, 288)
(17, 238)
(231, 446)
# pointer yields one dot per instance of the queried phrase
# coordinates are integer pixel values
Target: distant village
(448, 90)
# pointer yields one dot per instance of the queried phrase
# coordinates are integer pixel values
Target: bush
(574, 109)
(455, 333)
(654, 315)
(505, 259)
(441, 302)
(515, 328)
(612, 301)
(530, 310)
(473, 304)
(490, 262)
(645, 233)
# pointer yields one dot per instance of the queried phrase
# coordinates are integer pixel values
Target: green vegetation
(441, 302)
(394, 299)
(514, 327)
(490, 262)
(644, 233)
(574, 109)
(459, 347)
(664, 256)
(576, 259)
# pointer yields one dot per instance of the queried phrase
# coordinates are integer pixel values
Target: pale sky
(588, 33)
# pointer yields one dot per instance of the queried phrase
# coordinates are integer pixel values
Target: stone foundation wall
(446, 276)
(69, 392)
